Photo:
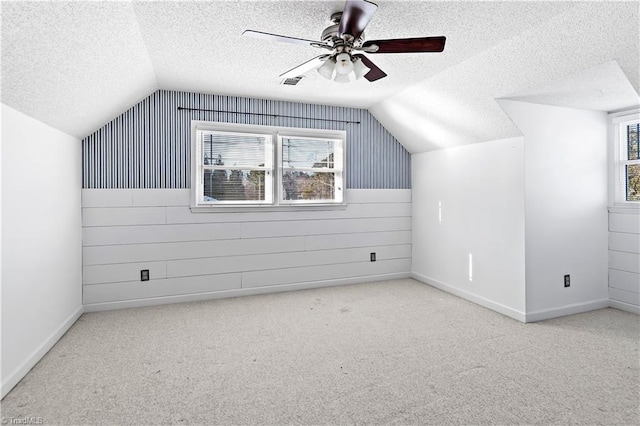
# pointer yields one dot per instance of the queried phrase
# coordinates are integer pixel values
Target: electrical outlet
(372, 257)
(144, 275)
(567, 280)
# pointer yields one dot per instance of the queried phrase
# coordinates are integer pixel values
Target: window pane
(633, 182)
(234, 185)
(632, 142)
(308, 186)
(307, 153)
(227, 149)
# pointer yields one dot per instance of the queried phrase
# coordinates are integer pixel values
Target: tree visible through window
(309, 169)
(234, 167)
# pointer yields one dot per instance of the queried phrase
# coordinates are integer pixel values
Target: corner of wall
(14, 377)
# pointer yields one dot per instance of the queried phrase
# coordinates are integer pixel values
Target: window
(243, 165)
(627, 179)
(631, 162)
(309, 170)
(236, 168)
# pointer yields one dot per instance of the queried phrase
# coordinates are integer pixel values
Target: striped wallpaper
(148, 146)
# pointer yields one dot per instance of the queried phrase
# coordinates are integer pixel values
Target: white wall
(566, 207)
(481, 191)
(195, 256)
(41, 240)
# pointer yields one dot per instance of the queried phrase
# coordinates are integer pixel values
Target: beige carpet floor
(395, 352)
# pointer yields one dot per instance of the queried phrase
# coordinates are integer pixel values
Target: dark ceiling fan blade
(405, 45)
(281, 38)
(374, 73)
(303, 68)
(355, 17)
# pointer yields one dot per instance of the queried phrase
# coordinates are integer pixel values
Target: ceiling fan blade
(281, 38)
(355, 17)
(405, 45)
(303, 68)
(374, 73)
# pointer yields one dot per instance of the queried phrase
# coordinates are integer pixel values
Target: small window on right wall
(628, 159)
(631, 162)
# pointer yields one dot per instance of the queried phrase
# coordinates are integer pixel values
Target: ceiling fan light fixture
(343, 64)
(360, 69)
(326, 69)
(342, 78)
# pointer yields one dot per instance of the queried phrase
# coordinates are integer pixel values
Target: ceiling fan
(344, 38)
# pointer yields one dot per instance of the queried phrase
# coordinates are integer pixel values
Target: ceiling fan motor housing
(340, 44)
(331, 32)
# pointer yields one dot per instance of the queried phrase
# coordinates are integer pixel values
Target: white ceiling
(458, 106)
(603, 87)
(77, 65)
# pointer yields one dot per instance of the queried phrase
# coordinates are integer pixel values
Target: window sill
(625, 209)
(252, 208)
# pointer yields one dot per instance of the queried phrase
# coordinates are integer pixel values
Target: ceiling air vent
(292, 81)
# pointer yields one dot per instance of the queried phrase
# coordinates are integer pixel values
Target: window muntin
(310, 170)
(242, 165)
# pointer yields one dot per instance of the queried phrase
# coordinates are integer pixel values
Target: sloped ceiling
(77, 65)
(458, 106)
(603, 87)
(73, 66)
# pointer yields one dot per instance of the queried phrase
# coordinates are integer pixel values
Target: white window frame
(273, 200)
(619, 159)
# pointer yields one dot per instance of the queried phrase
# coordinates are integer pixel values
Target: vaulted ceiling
(77, 65)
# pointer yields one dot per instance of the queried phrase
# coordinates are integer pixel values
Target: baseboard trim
(479, 300)
(622, 306)
(184, 298)
(576, 308)
(14, 378)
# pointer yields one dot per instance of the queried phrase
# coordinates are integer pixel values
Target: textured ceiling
(76, 65)
(458, 106)
(73, 66)
(601, 88)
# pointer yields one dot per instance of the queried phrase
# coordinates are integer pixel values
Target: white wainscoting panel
(624, 260)
(193, 256)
